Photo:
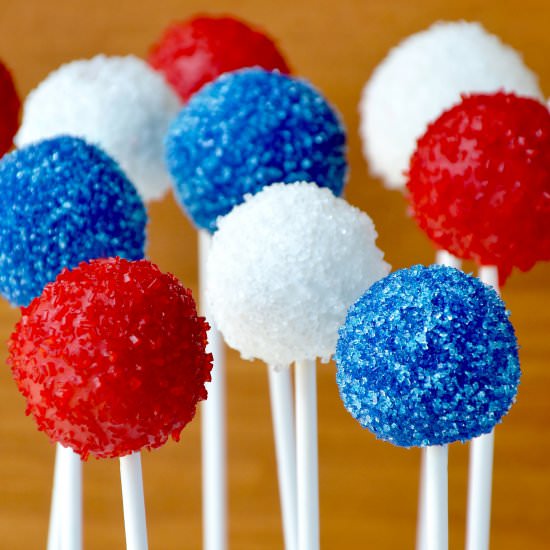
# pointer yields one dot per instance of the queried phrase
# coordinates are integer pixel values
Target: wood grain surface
(368, 488)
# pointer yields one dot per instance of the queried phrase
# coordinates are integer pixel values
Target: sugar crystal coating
(249, 129)
(196, 51)
(10, 106)
(118, 103)
(111, 358)
(422, 77)
(283, 268)
(63, 202)
(479, 181)
(427, 356)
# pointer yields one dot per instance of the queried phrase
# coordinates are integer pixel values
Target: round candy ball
(63, 202)
(422, 77)
(193, 52)
(119, 103)
(427, 356)
(284, 267)
(111, 358)
(479, 181)
(10, 106)
(249, 129)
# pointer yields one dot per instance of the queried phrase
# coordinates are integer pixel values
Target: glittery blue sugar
(427, 356)
(62, 201)
(249, 129)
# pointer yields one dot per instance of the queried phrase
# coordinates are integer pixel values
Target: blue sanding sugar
(249, 129)
(63, 201)
(427, 356)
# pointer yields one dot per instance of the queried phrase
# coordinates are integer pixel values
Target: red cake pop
(111, 358)
(10, 106)
(479, 181)
(193, 52)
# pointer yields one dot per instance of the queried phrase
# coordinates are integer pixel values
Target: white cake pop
(283, 268)
(119, 103)
(422, 77)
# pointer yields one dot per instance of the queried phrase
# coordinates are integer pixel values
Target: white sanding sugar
(283, 269)
(422, 77)
(118, 103)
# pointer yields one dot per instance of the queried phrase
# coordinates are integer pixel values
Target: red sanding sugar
(111, 358)
(10, 106)
(479, 181)
(194, 52)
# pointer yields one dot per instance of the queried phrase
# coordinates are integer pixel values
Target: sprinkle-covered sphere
(111, 358)
(118, 103)
(63, 202)
(9, 109)
(283, 268)
(249, 129)
(479, 181)
(427, 356)
(422, 77)
(196, 51)
(10, 106)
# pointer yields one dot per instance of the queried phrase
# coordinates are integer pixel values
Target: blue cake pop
(427, 356)
(63, 202)
(249, 129)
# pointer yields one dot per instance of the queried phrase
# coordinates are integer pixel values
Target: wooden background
(368, 488)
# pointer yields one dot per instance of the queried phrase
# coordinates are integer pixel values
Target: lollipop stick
(282, 412)
(442, 257)
(68, 486)
(437, 514)
(133, 502)
(55, 525)
(306, 454)
(480, 482)
(214, 485)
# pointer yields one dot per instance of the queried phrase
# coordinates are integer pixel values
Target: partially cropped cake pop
(427, 356)
(111, 358)
(283, 268)
(249, 129)
(479, 181)
(63, 201)
(193, 52)
(10, 106)
(119, 103)
(425, 75)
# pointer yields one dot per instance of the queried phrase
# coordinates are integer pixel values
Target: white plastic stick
(67, 498)
(133, 502)
(442, 257)
(437, 506)
(282, 412)
(307, 455)
(214, 483)
(480, 482)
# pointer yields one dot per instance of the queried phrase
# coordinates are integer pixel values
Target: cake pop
(111, 359)
(238, 134)
(425, 75)
(479, 181)
(10, 106)
(249, 129)
(119, 103)
(64, 201)
(282, 269)
(427, 356)
(193, 52)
